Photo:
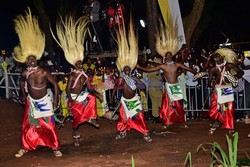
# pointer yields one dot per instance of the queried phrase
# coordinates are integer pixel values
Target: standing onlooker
(6, 64)
(155, 85)
(101, 102)
(245, 65)
(109, 84)
(193, 88)
(239, 100)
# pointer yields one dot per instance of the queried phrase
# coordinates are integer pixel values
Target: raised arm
(151, 69)
(187, 68)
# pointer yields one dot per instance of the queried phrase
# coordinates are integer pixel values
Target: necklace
(170, 63)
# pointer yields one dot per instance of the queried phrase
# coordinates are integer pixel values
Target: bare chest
(80, 81)
(37, 78)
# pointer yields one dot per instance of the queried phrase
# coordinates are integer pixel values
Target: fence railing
(196, 95)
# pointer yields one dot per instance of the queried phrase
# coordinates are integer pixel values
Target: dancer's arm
(117, 86)
(52, 80)
(210, 77)
(152, 69)
(22, 86)
(69, 85)
(187, 68)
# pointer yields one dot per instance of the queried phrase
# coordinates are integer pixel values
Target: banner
(172, 8)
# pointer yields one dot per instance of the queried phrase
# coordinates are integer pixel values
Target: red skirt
(42, 134)
(171, 114)
(226, 117)
(138, 122)
(82, 112)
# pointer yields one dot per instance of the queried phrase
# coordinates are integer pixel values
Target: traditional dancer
(131, 113)
(71, 34)
(38, 124)
(172, 100)
(222, 103)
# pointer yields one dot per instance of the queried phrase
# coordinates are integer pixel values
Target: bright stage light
(142, 23)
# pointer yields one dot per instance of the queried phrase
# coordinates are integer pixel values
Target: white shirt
(246, 75)
(190, 77)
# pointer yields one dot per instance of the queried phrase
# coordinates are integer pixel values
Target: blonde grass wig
(127, 47)
(167, 37)
(32, 39)
(228, 54)
(71, 35)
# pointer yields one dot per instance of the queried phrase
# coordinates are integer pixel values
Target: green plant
(133, 161)
(218, 154)
(188, 159)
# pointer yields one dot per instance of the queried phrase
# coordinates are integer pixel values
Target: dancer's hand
(199, 75)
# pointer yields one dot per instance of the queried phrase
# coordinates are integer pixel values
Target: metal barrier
(10, 83)
(196, 95)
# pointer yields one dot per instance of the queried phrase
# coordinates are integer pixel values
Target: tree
(152, 20)
(190, 22)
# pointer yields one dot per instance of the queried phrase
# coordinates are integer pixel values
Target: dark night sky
(231, 17)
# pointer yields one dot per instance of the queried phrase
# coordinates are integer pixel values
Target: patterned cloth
(130, 82)
(40, 107)
(131, 106)
(174, 92)
(224, 94)
(182, 81)
(131, 116)
(83, 109)
(224, 113)
(42, 134)
(171, 112)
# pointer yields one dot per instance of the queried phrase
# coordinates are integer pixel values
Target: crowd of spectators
(104, 77)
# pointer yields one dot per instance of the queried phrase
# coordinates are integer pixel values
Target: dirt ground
(99, 147)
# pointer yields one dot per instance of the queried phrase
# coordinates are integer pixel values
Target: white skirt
(131, 106)
(225, 93)
(80, 98)
(174, 92)
(41, 107)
